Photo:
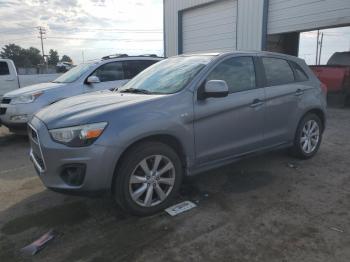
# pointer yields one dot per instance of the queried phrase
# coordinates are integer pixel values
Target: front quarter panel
(171, 115)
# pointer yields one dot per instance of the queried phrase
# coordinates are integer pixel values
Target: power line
(103, 39)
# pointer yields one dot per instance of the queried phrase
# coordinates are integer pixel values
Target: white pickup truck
(8, 76)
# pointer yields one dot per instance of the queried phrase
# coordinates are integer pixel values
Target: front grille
(33, 134)
(6, 100)
(39, 161)
(3, 110)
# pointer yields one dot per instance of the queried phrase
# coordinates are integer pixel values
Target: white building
(217, 25)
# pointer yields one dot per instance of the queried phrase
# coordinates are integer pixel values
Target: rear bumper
(51, 160)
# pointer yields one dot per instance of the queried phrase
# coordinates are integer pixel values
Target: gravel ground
(266, 208)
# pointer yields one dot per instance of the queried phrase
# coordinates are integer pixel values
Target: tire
(306, 144)
(136, 178)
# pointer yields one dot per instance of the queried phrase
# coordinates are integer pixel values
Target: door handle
(256, 103)
(299, 92)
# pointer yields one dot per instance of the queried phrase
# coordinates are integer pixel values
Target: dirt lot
(261, 209)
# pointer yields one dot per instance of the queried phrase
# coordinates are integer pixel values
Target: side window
(300, 74)
(4, 69)
(134, 67)
(278, 71)
(110, 72)
(238, 72)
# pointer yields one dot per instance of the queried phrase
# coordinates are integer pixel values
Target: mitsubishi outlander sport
(179, 117)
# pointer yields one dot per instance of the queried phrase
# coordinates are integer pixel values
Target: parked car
(181, 116)
(8, 76)
(336, 76)
(64, 66)
(18, 107)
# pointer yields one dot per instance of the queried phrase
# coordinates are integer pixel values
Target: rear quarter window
(277, 71)
(300, 74)
(4, 69)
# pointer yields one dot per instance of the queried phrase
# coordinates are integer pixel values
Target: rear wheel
(308, 137)
(148, 178)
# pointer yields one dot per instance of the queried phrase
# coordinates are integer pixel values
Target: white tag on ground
(180, 208)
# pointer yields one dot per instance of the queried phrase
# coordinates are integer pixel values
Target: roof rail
(126, 55)
(150, 55)
(114, 56)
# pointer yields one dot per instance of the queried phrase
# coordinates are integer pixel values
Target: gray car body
(207, 133)
(54, 92)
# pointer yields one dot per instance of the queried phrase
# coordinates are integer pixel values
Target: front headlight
(78, 136)
(25, 99)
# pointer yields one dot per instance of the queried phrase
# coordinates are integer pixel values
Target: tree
(34, 56)
(13, 52)
(53, 58)
(20, 56)
(66, 58)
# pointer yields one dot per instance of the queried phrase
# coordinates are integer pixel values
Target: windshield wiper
(135, 91)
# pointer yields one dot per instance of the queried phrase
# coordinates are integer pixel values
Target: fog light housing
(74, 174)
(19, 118)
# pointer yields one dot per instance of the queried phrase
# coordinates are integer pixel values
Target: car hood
(34, 88)
(88, 108)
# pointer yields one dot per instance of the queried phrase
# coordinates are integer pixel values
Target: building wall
(305, 15)
(249, 23)
(171, 9)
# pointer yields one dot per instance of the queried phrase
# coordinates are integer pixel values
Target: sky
(90, 29)
(84, 29)
(334, 40)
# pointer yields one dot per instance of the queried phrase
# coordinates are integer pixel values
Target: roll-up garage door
(210, 28)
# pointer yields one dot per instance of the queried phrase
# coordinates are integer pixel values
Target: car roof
(259, 53)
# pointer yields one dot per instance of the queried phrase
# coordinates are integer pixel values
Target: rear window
(4, 69)
(278, 71)
(300, 74)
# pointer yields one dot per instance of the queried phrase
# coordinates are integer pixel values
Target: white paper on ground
(180, 208)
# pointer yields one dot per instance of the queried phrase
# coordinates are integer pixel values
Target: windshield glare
(168, 76)
(73, 74)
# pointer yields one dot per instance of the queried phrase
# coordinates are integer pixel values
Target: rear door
(282, 94)
(8, 78)
(111, 75)
(134, 67)
(232, 125)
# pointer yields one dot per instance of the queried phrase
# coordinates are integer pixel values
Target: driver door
(111, 76)
(233, 125)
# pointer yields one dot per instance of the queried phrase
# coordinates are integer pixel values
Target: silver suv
(181, 116)
(18, 107)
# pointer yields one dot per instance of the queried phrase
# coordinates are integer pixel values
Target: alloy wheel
(152, 180)
(310, 136)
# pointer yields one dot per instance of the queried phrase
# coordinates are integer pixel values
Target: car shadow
(10, 139)
(96, 228)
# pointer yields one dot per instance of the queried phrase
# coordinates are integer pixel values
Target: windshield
(73, 74)
(168, 76)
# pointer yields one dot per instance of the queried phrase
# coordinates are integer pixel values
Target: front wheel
(308, 137)
(148, 178)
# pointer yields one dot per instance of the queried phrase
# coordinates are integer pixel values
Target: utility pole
(321, 45)
(318, 42)
(42, 32)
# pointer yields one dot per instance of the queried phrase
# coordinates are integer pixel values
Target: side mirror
(93, 80)
(215, 88)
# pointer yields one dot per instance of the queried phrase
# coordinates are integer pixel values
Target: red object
(336, 74)
(336, 78)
